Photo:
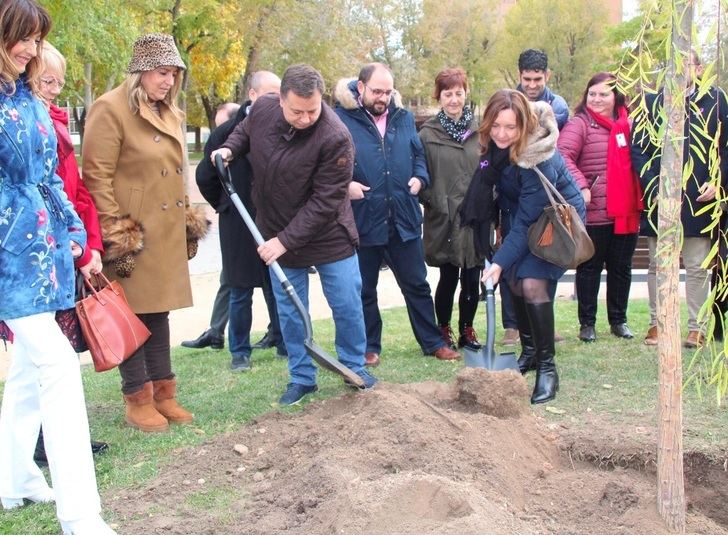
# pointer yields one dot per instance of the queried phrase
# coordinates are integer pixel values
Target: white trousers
(44, 385)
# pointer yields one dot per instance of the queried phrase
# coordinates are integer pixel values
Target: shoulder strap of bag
(551, 190)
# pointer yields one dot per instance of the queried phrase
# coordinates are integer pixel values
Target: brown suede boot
(166, 404)
(140, 411)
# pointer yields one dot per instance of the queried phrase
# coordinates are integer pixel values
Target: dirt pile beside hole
(500, 394)
(425, 458)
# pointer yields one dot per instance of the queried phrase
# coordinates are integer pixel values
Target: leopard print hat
(154, 50)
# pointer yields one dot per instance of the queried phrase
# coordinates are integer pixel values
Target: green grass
(223, 401)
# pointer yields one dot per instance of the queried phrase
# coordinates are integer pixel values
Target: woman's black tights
(445, 294)
(533, 291)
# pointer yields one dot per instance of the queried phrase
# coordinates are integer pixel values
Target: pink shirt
(380, 121)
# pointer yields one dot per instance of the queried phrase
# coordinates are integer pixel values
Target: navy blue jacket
(557, 103)
(705, 114)
(385, 165)
(522, 198)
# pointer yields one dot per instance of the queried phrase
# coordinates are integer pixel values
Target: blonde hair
(137, 95)
(53, 60)
(20, 19)
(526, 120)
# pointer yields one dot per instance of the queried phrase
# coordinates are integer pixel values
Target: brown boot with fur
(140, 411)
(164, 400)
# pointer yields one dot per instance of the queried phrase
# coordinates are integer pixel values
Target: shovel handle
(489, 280)
(227, 183)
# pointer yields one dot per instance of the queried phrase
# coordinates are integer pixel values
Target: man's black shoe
(206, 339)
(621, 330)
(266, 342)
(587, 333)
(97, 448)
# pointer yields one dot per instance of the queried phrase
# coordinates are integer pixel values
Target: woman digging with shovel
(518, 140)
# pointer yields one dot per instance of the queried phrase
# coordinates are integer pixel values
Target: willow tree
(659, 59)
(670, 480)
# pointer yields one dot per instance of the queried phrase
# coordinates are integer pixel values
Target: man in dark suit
(242, 268)
(706, 115)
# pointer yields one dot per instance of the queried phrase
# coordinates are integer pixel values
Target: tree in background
(571, 32)
(450, 34)
(92, 44)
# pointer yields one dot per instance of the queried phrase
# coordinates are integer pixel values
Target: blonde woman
(132, 165)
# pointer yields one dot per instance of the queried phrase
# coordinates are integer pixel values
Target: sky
(629, 9)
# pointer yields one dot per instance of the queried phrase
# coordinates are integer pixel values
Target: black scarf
(477, 209)
(458, 131)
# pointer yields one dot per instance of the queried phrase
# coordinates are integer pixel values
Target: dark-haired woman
(595, 145)
(452, 150)
(519, 142)
(40, 235)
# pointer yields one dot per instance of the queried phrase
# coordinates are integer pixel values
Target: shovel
(312, 348)
(486, 357)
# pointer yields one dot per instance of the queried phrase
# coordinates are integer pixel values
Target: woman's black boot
(542, 329)
(527, 360)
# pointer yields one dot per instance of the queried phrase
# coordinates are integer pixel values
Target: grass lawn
(615, 379)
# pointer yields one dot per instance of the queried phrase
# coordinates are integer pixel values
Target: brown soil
(427, 458)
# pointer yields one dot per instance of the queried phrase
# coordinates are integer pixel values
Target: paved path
(188, 323)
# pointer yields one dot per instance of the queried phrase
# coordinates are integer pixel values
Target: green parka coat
(451, 166)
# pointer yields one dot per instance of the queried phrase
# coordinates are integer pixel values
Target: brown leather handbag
(559, 235)
(111, 329)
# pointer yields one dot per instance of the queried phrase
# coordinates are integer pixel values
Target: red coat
(74, 186)
(583, 144)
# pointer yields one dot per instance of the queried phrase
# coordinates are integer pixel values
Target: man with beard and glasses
(389, 171)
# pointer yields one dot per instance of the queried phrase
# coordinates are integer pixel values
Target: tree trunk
(210, 109)
(251, 63)
(88, 98)
(670, 480)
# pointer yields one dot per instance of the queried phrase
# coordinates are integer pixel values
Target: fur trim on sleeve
(196, 222)
(122, 235)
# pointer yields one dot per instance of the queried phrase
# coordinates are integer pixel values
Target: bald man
(242, 269)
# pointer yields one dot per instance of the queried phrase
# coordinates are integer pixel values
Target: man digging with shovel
(302, 159)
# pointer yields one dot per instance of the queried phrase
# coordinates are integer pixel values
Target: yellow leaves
(221, 70)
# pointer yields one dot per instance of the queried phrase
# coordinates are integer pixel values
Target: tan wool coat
(132, 165)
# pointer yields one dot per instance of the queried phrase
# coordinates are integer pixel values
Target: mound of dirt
(427, 458)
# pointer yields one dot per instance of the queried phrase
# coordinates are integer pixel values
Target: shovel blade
(333, 365)
(502, 361)
(474, 358)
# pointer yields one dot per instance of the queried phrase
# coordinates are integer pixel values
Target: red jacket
(74, 186)
(583, 144)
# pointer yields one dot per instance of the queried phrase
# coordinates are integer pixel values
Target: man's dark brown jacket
(300, 182)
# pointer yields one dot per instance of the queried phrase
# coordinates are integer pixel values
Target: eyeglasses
(380, 92)
(52, 81)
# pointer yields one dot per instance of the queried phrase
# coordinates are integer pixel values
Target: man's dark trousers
(407, 262)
